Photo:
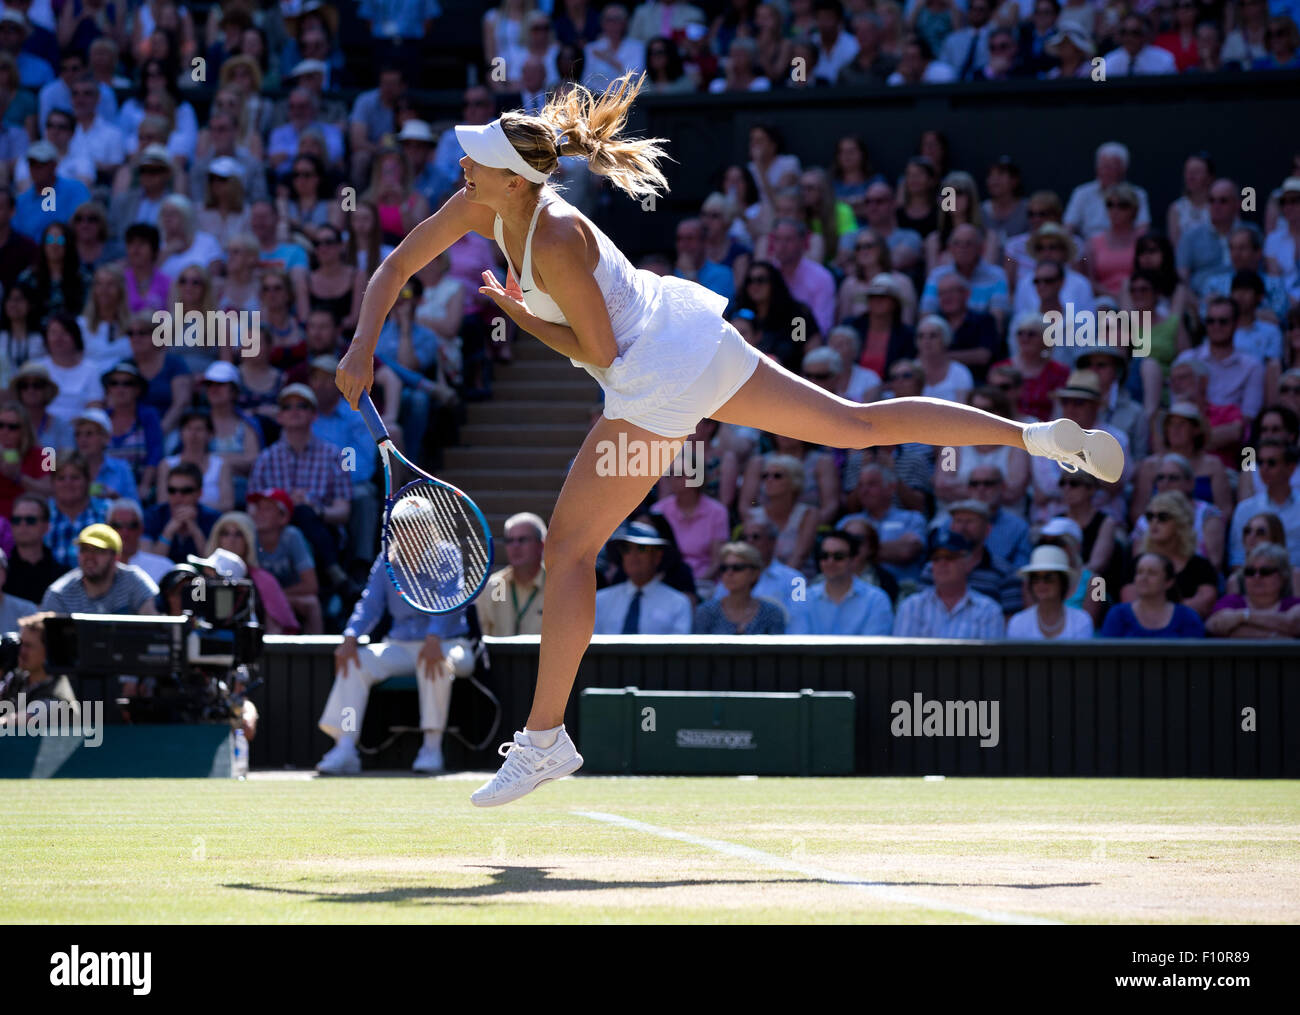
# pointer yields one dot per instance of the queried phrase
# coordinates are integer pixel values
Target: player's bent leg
(776, 400)
(590, 507)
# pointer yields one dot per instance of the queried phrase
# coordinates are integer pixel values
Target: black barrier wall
(1218, 709)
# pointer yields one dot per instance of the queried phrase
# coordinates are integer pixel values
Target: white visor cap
(488, 146)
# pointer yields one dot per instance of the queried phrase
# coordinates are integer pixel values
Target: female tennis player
(662, 353)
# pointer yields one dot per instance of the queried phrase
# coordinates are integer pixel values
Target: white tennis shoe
(1063, 440)
(526, 767)
(428, 761)
(341, 759)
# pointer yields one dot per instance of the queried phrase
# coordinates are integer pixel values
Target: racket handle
(371, 417)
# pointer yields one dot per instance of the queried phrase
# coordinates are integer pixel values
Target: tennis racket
(436, 543)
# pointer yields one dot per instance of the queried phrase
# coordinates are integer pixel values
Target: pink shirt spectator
(696, 534)
(1111, 266)
(815, 286)
(154, 298)
(472, 255)
(275, 601)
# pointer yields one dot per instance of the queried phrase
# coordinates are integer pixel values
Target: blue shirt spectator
(865, 611)
(424, 341)
(988, 289)
(709, 619)
(893, 526)
(343, 427)
(31, 215)
(1121, 622)
(924, 615)
(399, 19)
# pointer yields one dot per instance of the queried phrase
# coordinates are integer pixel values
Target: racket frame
(375, 424)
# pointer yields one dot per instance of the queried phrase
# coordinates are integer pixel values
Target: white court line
(880, 890)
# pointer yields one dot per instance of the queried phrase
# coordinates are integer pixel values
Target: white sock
(432, 739)
(347, 740)
(543, 738)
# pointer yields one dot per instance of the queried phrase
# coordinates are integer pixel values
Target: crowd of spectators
(156, 158)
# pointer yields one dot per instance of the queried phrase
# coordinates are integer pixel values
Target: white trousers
(345, 710)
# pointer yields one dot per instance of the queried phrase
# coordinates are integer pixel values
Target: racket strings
(437, 548)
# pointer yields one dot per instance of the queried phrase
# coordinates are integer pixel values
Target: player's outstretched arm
(425, 242)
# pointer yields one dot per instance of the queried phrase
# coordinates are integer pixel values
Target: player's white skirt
(684, 364)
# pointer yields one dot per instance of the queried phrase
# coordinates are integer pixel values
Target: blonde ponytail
(580, 123)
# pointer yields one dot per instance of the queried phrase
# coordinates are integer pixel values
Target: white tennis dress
(678, 360)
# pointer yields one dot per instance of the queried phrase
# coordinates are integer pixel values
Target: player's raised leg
(776, 400)
(589, 509)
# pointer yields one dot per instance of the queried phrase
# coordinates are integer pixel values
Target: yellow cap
(103, 537)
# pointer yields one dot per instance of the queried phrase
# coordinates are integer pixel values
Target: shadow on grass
(505, 881)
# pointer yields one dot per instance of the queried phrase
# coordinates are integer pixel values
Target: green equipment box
(716, 733)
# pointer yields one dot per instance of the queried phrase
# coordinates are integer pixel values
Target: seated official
(29, 677)
(101, 583)
(643, 604)
(435, 647)
(842, 603)
(511, 601)
(739, 611)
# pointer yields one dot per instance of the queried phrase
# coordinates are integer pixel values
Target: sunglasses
(734, 568)
(119, 384)
(819, 377)
(11, 426)
(300, 406)
(128, 526)
(302, 173)
(833, 555)
(754, 537)
(1045, 280)
(903, 375)
(983, 484)
(276, 288)
(773, 475)
(945, 556)
(1118, 204)
(1043, 576)
(866, 246)
(1218, 320)
(1270, 463)
(30, 385)
(1258, 572)
(1157, 516)
(26, 520)
(1289, 389)
(1074, 482)
(757, 280)
(182, 491)
(81, 220)
(1169, 477)
(519, 539)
